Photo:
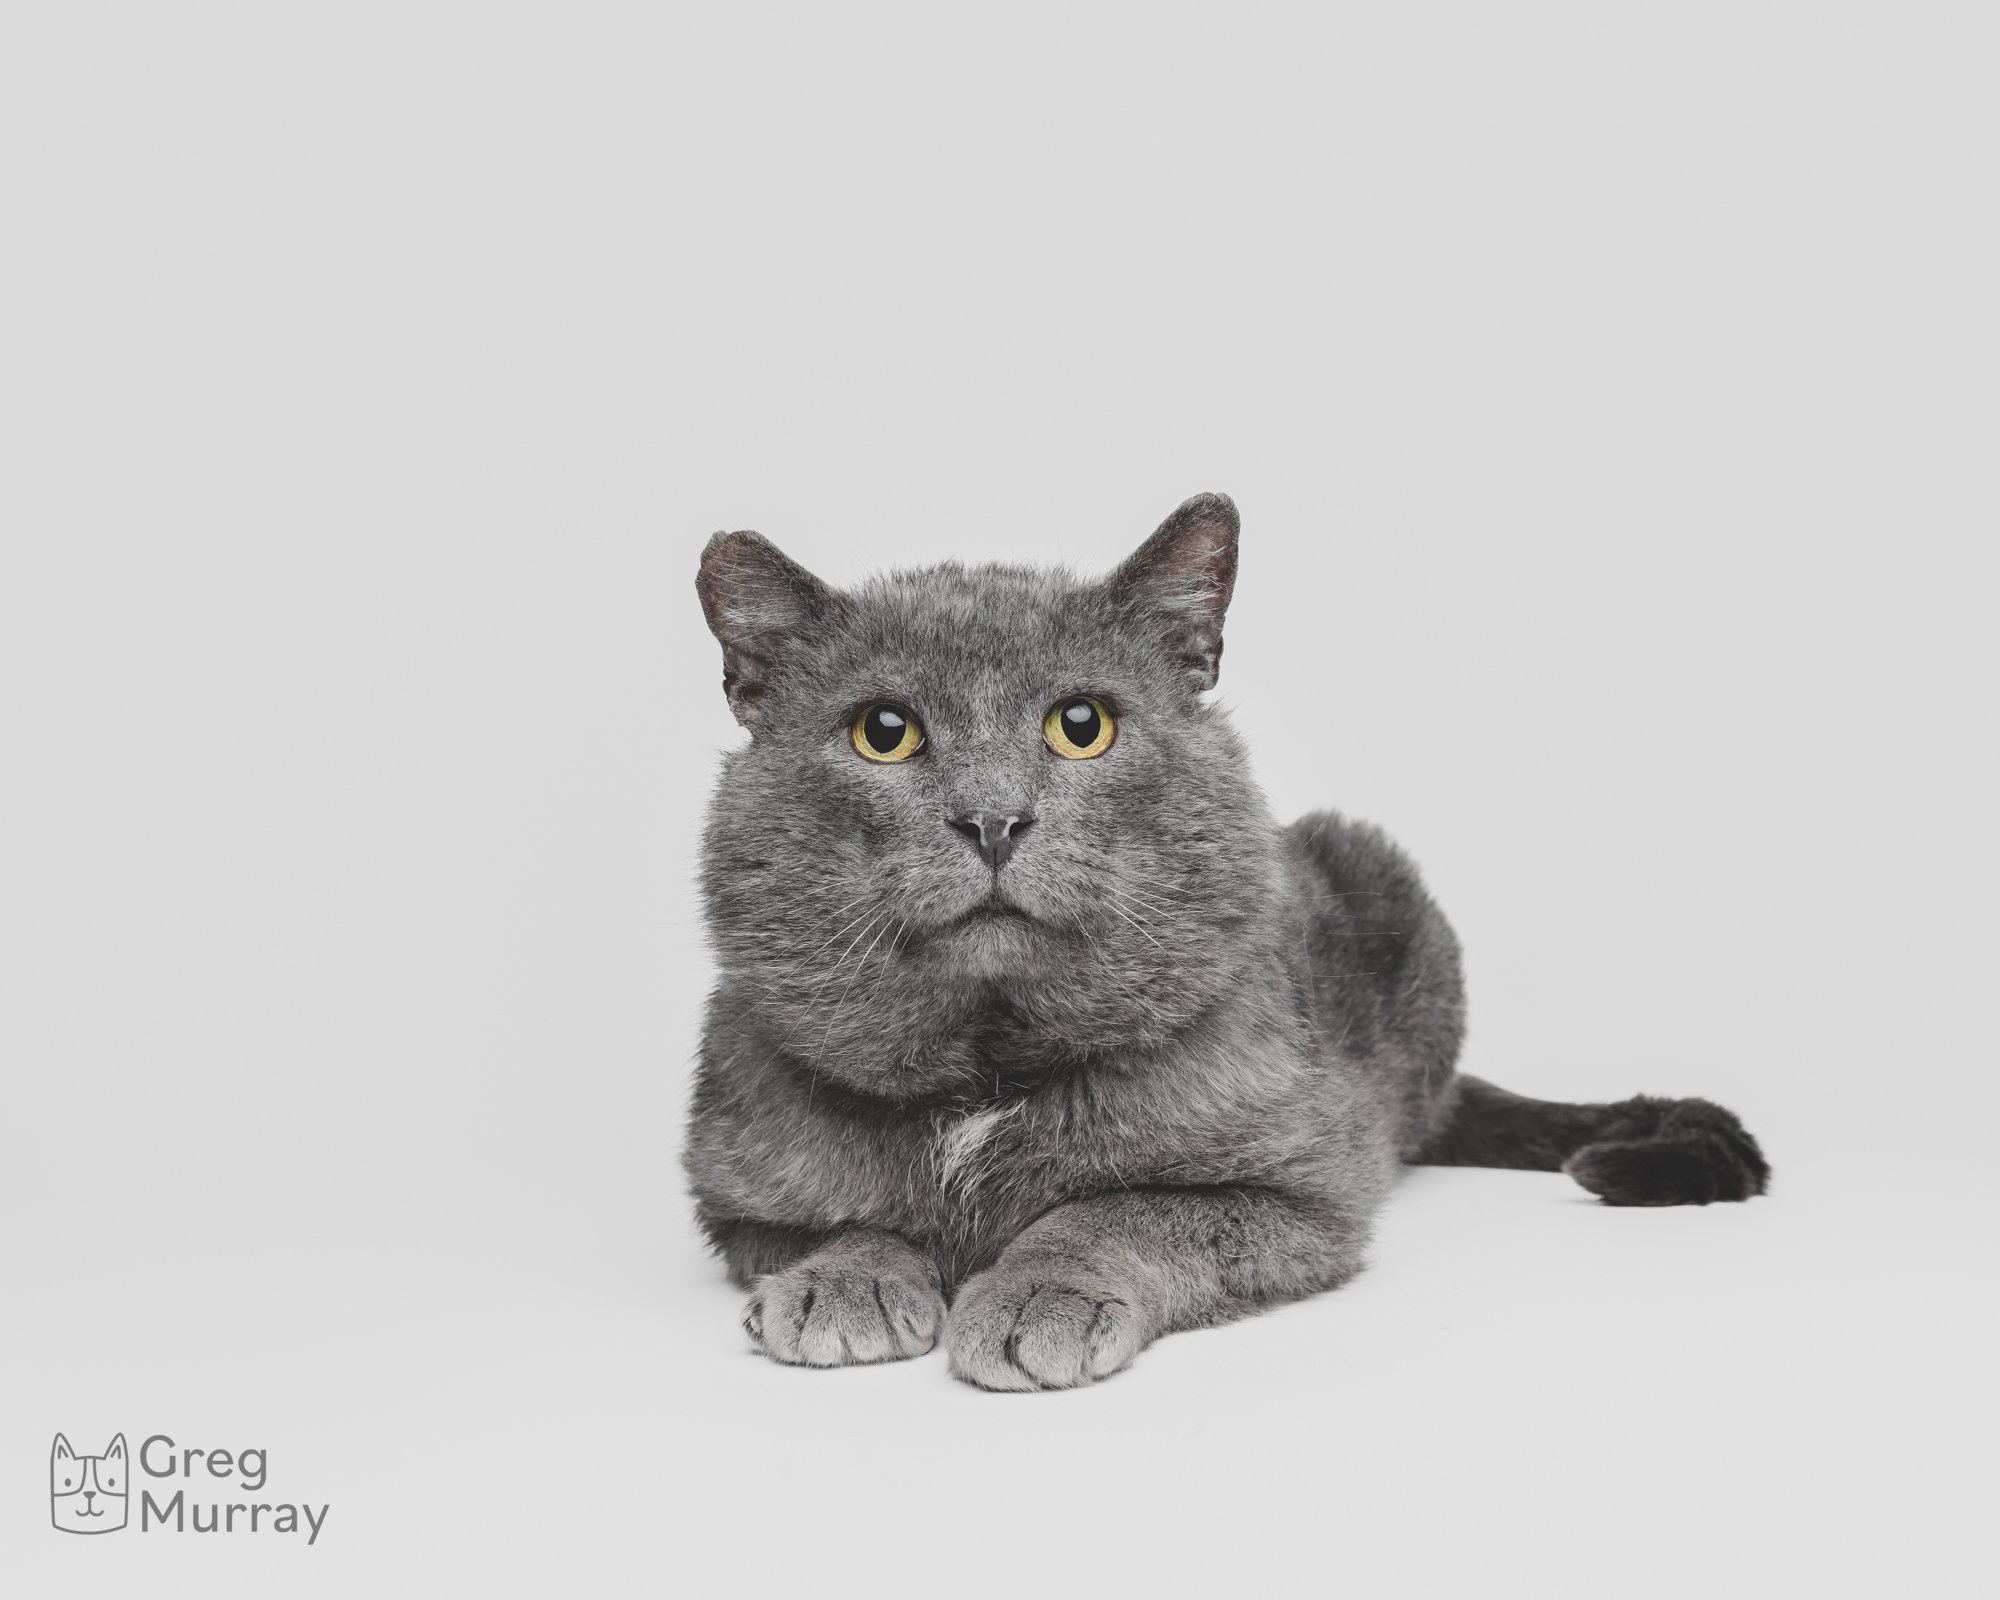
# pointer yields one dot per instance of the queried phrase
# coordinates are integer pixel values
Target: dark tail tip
(1698, 1153)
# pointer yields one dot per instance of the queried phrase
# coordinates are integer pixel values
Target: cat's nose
(89, 1495)
(992, 833)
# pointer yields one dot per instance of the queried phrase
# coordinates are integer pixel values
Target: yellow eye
(1079, 728)
(887, 733)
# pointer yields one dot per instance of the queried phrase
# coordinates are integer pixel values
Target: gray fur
(1155, 1071)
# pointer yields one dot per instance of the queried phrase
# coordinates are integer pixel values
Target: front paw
(1028, 1326)
(837, 1314)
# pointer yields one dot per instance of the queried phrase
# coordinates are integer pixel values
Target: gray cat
(1034, 1031)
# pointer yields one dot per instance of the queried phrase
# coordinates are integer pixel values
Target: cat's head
(980, 803)
(87, 1494)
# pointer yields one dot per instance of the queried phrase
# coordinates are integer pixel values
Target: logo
(87, 1493)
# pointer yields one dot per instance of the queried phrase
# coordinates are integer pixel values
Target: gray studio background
(1609, 397)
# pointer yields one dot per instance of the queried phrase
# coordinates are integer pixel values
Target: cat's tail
(1638, 1152)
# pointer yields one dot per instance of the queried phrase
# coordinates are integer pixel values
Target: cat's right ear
(757, 601)
(61, 1450)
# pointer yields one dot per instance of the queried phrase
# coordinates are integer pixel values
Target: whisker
(1125, 874)
(815, 950)
(1121, 897)
(840, 961)
(1124, 891)
(820, 922)
(839, 1005)
(1171, 913)
(1116, 910)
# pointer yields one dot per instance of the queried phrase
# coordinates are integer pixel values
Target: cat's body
(1319, 1081)
(1073, 1036)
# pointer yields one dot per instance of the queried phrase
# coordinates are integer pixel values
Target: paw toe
(817, 1318)
(1030, 1335)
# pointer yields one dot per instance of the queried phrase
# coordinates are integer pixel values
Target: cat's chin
(993, 938)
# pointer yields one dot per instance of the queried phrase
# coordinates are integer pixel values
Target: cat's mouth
(994, 909)
(991, 909)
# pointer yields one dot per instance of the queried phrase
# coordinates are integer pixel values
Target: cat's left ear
(115, 1450)
(758, 602)
(1184, 575)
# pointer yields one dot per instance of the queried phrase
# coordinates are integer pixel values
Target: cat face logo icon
(87, 1493)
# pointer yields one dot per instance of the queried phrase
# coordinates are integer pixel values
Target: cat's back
(1385, 976)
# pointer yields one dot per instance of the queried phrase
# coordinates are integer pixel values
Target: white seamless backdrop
(1609, 398)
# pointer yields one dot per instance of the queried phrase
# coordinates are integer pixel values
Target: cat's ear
(757, 601)
(1184, 575)
(62, 1451)
(115, 1450)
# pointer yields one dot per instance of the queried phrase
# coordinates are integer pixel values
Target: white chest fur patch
(958, 1146)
